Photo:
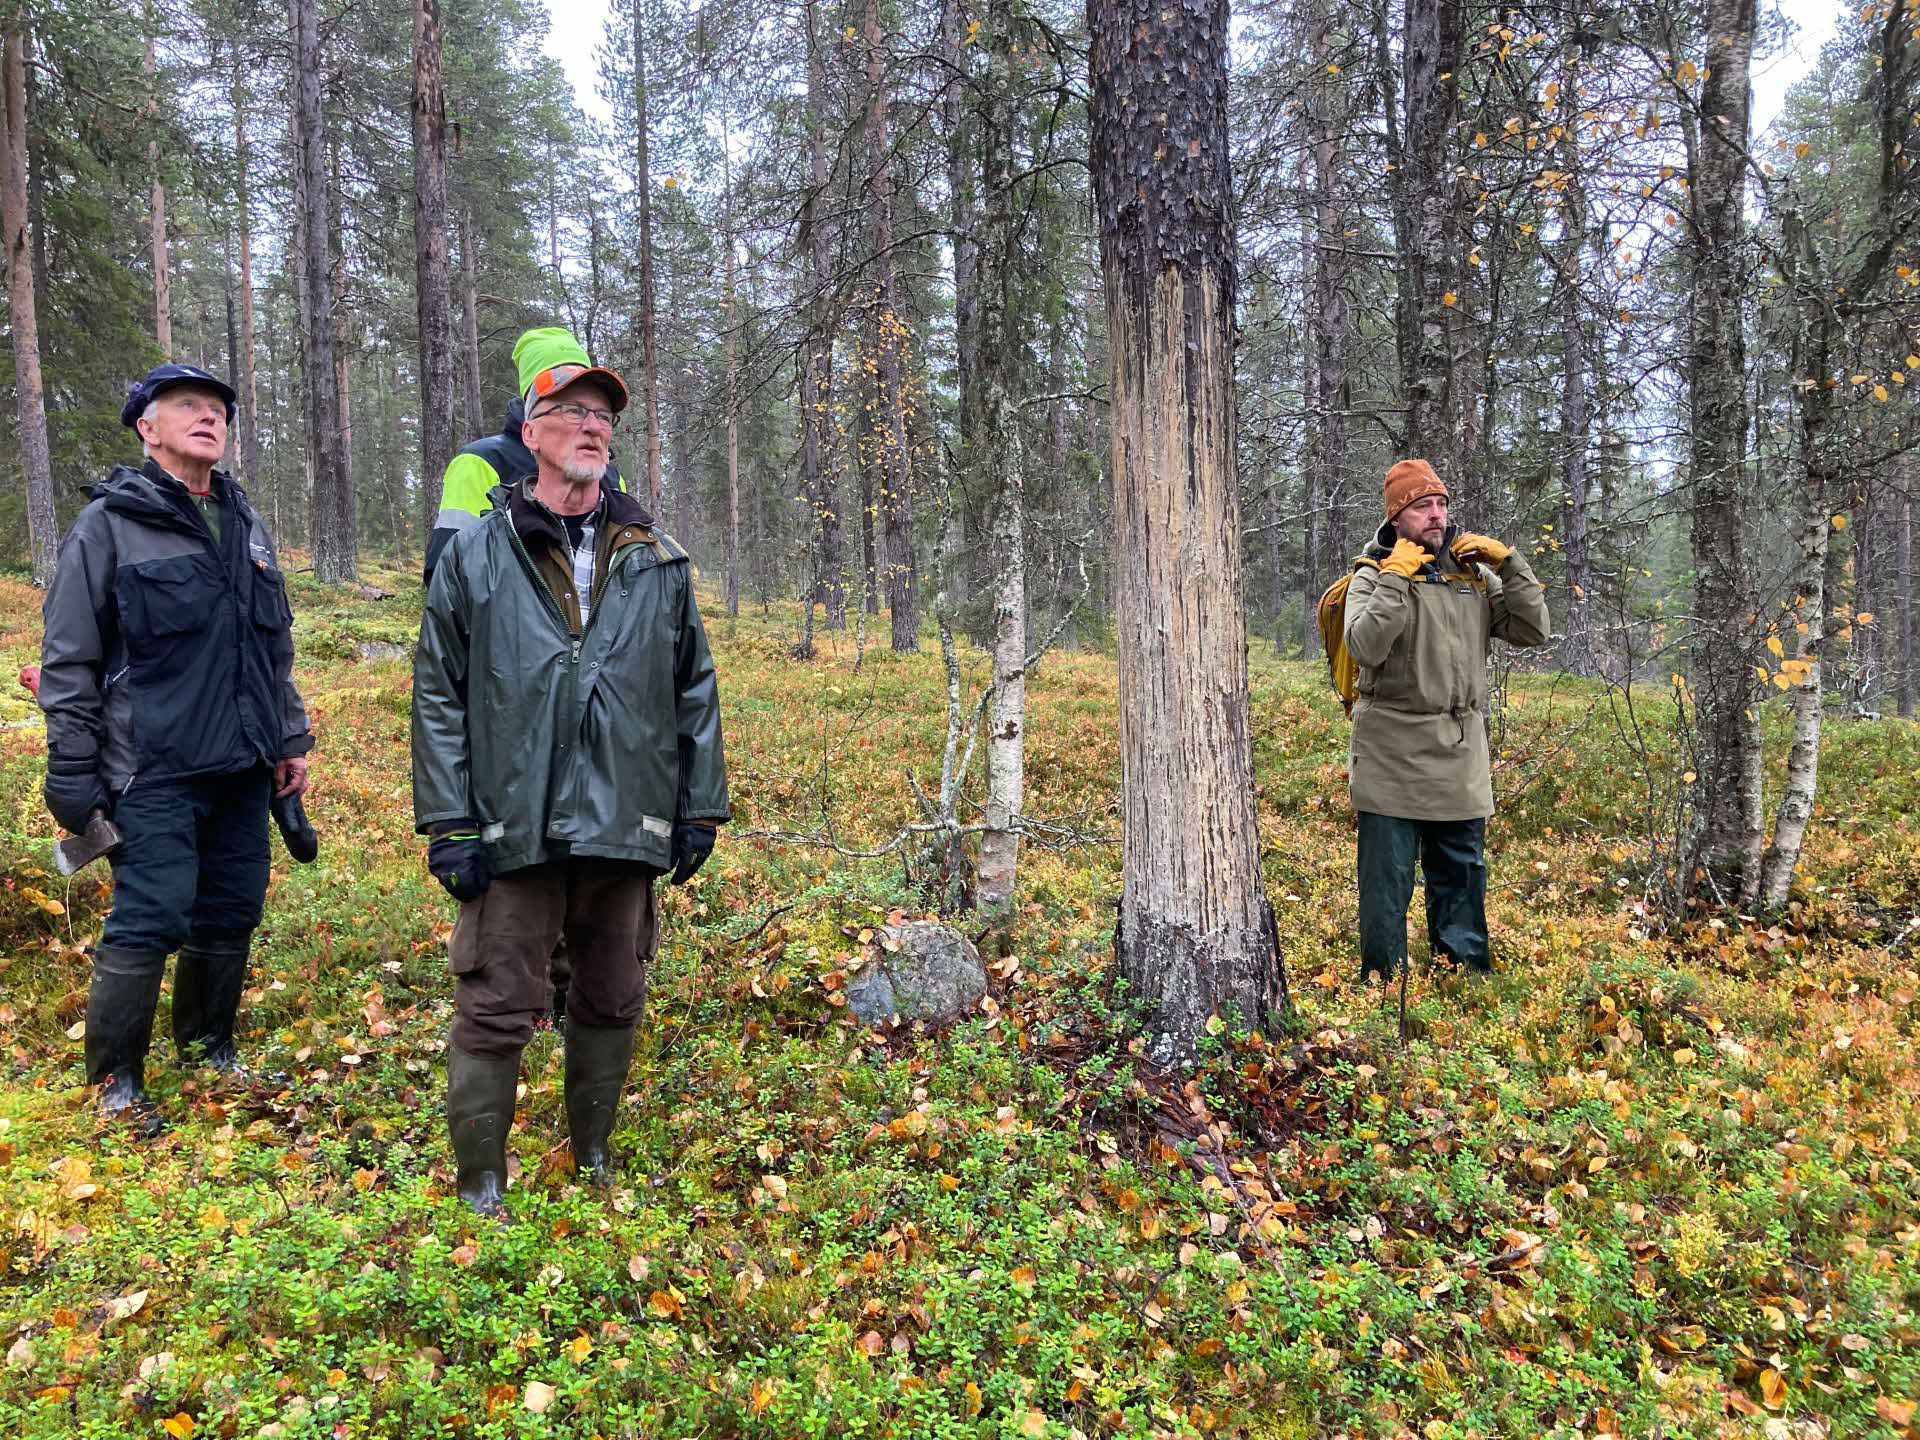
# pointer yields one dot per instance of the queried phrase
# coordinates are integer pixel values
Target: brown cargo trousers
(503, 942)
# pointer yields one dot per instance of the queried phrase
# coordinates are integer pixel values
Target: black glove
(74, 790)
(691, 846)
(462, 863)
(291, 816)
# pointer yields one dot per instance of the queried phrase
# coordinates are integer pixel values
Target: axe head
(73, 853)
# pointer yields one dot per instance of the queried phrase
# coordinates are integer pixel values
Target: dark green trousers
(1452, 856)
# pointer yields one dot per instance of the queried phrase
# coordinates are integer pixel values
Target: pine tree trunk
(1196, 936)
(333, 559)
(36, 461)
(1326, 448)
(1575, 407)
(432, 288)
(730, 280)
(157, 212)
(816, 380)
(1427, 222)
(643, 195)
(1723, 849)
(962, 196)
(886, 338)
(243, 204)
(346, 493)
(476, 413)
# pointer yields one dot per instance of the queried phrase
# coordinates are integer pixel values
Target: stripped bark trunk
(1196, 937)
(433, 300)
(1722, 851)
(157, 211)
(36, 460)
(643, 193)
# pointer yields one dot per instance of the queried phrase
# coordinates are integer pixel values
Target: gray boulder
(921, 970)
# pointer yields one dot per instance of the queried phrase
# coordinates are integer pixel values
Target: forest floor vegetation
(1644, 1180)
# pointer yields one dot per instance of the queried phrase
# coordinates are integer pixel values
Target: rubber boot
(208, 980)
(597, 1065)
(479, 1115)
(120, 1002)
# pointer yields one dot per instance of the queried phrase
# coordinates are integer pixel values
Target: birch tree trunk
(433, 299)
(1001, 465)
(1722, 853)
(1196, 937)
(36, 461)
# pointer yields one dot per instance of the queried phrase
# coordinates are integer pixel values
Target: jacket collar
(534, 521)
(1384, 539)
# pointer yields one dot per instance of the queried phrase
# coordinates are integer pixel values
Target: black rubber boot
(597, 1065)
(120, 1001)
(479, 1115)
(208, 980)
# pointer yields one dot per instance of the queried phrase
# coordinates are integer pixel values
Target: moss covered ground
(1644, 1181)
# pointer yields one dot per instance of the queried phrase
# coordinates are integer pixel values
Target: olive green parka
(560, 743)
(1419, 726)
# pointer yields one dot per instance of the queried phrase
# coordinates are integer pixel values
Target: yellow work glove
(1406, 559)
(1482, 549)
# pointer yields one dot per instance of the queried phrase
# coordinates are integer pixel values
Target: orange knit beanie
(1409, 481)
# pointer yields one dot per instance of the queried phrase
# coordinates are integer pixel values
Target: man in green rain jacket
(566, 753)
(1424, 604)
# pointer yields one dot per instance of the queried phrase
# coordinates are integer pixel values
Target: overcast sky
(579, 24)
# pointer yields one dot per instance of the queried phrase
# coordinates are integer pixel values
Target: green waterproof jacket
(1419, 725)
(560, 744)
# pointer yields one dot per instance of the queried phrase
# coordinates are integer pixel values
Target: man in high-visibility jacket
(494, 459)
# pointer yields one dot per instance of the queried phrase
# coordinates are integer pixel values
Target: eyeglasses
(578, 415)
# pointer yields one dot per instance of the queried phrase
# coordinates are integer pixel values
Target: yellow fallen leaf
(179, 1426)
(1034, 1424)
(579, 1348)
(1773, 1388)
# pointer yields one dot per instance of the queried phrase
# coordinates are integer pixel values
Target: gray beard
(581, 470)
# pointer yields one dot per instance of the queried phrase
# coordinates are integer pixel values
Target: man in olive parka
(1425, 602)
(566, 753)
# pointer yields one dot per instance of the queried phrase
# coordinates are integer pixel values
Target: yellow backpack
(1342, 669)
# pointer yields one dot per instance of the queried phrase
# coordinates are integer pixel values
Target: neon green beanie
(549, 359)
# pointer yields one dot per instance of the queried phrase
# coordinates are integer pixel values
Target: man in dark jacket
(166, 674)
(566, 752)
(1425, 603)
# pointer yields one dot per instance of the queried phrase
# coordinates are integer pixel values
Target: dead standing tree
(1196, 937)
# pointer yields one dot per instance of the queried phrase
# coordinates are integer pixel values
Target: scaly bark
(1722, 851)
(36, 461)
(434, 301)
(643, 193)
(1196, 937)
